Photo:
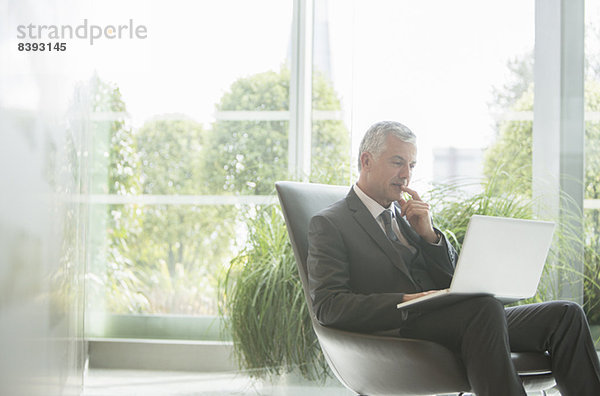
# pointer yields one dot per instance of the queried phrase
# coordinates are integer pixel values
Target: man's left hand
(418, 215)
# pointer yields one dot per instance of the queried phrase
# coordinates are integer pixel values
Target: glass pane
(462, 84)
(461, 92)
(246, 157)
(592, 163)
(161, 258)
(43, 174)
(196, 113)
(331, 96)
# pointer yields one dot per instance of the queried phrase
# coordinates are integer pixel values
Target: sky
(430, 64)
(389, 58)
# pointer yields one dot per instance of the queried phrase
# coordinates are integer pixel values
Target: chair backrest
(299, 202)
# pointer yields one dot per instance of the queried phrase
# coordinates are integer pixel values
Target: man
(377, 247)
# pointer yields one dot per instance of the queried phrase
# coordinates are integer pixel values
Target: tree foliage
(114, 167)
(513, 153)
(247, 157)
(158, 258)
(165, 258)
(179, 247)
(520, 80)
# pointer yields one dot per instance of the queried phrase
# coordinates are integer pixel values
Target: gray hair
(374, 139)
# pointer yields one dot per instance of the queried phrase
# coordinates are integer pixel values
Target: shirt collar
(373, 206)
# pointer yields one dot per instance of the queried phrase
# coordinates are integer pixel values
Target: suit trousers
(484, 333)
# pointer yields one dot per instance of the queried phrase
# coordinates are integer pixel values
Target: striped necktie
(406, 250)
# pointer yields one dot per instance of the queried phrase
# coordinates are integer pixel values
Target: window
(592, 163)
(451, 77)
(189, 135)
(190, 138)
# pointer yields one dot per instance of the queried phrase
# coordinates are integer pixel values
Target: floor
(102, 382)
(171, 383)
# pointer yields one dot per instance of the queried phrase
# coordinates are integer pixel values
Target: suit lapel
(374, 231)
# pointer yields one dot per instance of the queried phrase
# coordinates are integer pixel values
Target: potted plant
(502, 195)
(263, 304)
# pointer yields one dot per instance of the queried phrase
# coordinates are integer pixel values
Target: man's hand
(408, 297)
(418, 215)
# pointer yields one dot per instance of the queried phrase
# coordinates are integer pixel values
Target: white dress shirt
(376, 209)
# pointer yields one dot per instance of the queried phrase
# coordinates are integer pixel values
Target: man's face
(386, 174)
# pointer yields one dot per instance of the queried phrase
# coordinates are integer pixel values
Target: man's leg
(559, 327)
(477, 330)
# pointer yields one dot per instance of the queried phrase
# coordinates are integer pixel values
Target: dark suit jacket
(355, 276)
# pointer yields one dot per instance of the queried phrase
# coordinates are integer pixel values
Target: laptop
(500, 257)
